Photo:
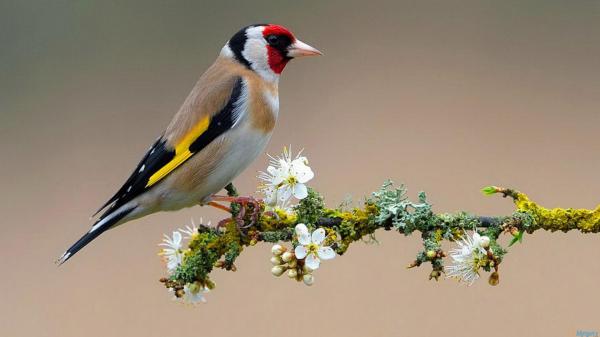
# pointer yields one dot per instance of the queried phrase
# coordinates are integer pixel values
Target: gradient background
(446, 97)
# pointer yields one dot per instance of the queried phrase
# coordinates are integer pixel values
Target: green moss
(310, 209)
(234, 250)
(276, 236)
(387, 208)
(198, 263)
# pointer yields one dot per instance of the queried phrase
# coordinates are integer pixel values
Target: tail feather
(101, 226)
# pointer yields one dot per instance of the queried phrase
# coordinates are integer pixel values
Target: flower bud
(287, 256)
(276, 260)
(277, 270)
(292, 264)
(484, 242)
(194, 288)
(494, 279)
(306, 270)
(292, 273)
(431, 254)
(277, 250)
(308, 279)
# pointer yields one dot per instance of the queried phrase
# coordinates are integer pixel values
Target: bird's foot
(239, 207)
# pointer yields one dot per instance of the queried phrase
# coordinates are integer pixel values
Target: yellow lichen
(563, 219)
(281, 219)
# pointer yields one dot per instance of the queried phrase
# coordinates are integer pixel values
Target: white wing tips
(64, 257)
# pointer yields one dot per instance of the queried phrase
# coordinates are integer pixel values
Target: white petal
(270, 195)
(476, 239)
(326, 253)
(300, 252)
(192, 297)
(300, 191)
(301, 229)
(284, 193)
(272, 170)
(318, 236)
(302, 172)
(284, 205)
(302, 234)
(312, 262)
(173, 261)
(177, 239)
(284, 165)
(172, 265)
(277, 175)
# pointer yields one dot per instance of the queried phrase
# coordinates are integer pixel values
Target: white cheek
(255, 51)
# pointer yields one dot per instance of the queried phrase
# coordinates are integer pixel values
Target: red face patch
(277, 62)
(278, 30)
(277, 57)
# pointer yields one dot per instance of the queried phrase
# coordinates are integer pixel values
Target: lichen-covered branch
(337, 229)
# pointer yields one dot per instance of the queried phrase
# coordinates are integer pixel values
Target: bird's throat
(276, 60)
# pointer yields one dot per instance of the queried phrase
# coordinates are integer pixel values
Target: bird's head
(266, 49)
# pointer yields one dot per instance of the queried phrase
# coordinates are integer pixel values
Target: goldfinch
(225, 122)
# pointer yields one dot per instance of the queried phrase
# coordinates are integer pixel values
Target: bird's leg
(239, 200)
(219, 206)
(231, 190)
(223, 198)
(239, 219)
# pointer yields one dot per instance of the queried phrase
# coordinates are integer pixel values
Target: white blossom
(193, 293)
(285, 178)
(467, 258)
(191, 231)
(310, 247)
(172, 254)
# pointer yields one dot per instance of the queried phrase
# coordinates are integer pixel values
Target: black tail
(101, 226)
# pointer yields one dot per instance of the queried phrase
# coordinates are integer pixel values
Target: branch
(388, 209)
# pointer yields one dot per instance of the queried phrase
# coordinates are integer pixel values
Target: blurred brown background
(446, 97)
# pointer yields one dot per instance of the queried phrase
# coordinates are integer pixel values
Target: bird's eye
(273, 39)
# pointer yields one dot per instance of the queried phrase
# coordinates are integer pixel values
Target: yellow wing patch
(182, 152)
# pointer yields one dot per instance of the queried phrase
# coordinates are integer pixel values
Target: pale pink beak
(300, 48)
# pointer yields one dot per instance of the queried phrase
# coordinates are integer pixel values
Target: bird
(222, 126)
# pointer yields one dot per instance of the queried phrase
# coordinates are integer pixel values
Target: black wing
(157, 156)
(160, 154)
